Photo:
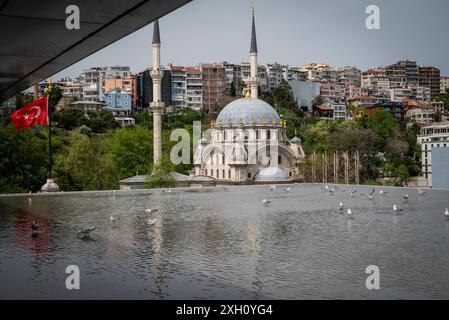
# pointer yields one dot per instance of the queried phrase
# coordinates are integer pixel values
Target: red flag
(33, 113)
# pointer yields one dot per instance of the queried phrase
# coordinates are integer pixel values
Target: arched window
(268, 134)
(257, 134)
(249, 175)
(229, 174)
(279, 159)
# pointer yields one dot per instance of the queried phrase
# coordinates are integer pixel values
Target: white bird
(113, 218)
(446, 213)
(287, 189)
(406, 196)
(421, 192)
(167, 191)
(151, 210)
(396, 208)
(272, 188)
(341, 206)
(85, 233)
(381, 191)
(349, 212)
(150, 222)
(352, 192)
(266, 202)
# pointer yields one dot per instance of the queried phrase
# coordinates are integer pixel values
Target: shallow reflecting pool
(222, 243)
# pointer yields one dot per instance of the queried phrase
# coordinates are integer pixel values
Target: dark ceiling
(36, 44)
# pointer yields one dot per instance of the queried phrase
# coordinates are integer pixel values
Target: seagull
(266, 202)
(332, 191)
(287, 189)
(85, 233)
(406, 196)
(446, 213)
(396, 208)
(167, 191)
(349, 212)
(382, 192)
(371, 195)
(114, 219)
(352, 192)
(272, 188)
(421, 192)
(341, 206)
(150, 222)
(151, 210)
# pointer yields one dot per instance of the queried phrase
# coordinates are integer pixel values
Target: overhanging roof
(36, 44)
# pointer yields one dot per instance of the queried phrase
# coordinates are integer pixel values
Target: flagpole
(49, 136)
(50, 186)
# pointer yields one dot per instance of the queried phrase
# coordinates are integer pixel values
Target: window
(249, 175)
(268, 134)
(229, 174)
(279, 159)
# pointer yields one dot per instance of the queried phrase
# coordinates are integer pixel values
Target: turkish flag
(33, 113)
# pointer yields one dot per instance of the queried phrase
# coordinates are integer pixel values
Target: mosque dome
(271, 174)
(247, 110)
(295, 140)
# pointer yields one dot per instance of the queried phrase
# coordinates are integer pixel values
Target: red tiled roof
(325, 108)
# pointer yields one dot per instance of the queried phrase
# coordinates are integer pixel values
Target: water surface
(221, 243)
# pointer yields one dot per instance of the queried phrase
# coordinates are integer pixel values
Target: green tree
(83, 167)
(131, 150)
(382, 123)
(23, 161)
(160, 176)
(70, 118)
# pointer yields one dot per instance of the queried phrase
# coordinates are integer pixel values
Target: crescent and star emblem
(38, 111)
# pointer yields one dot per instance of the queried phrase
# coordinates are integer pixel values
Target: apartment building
(194, 88)
(144, 89)
(402, 73)
(320, 73)
(214, 87)
(332, 92)
(431, 138)
(444, 84)
(349, 76)
(430, 77)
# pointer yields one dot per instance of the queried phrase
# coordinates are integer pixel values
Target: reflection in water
(254, 248)
(208, 243)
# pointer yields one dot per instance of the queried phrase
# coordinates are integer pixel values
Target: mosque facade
(247, 143)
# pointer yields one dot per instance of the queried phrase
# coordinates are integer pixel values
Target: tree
(232, 92)
(382, 123)
(131, 150)
(83, 167)
(70, 118)
(23, 161)
(160, 176)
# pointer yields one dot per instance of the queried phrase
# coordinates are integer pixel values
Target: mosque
(247, 143)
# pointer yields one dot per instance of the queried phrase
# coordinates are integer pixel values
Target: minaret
(254, 80)
(157, 106)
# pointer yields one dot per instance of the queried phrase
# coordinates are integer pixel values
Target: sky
(293, 32)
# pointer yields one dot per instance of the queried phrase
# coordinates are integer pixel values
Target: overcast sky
(292, 32)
